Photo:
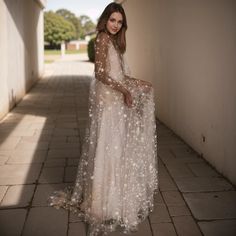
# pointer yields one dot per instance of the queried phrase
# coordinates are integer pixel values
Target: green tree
(57, 29)
(87, 25)
(71, 17)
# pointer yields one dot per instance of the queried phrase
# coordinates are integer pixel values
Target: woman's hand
(147, 86)
(128, 98)
(145, 83)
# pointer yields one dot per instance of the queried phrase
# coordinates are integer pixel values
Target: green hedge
(91, 51)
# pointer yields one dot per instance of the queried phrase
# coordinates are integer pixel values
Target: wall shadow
(23, 66)
(48, 149)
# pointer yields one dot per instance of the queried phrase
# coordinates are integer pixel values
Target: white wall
(140, 38)
(21, 46)
(193, 48)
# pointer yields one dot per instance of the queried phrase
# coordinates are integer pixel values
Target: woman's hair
(101, 26)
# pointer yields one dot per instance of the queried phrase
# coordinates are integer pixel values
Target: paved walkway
(40, 143)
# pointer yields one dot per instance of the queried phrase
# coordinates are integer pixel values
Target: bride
(117, 173)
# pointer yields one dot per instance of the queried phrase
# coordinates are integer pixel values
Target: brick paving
(40, 142)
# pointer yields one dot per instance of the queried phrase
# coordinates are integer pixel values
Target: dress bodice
(109, 63)
(114, 63)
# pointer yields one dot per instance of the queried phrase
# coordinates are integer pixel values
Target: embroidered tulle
(117, 173)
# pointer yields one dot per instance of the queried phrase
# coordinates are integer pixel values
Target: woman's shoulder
(103, 37)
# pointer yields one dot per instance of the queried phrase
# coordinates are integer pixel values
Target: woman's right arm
(101, 73)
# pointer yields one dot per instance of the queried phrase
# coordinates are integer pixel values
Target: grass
(48, 61)
(52, 52)
(58, 52)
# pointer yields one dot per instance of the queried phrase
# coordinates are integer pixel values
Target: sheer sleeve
(101, 73)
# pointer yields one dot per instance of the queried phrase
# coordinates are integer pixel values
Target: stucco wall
(193, 48)
(140, 38)
(21, 46)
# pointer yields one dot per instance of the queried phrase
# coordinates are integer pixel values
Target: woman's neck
(113, 39)
(112, 36)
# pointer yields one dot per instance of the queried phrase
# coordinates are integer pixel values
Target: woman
(117, 173)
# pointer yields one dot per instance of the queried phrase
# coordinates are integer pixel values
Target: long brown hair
(101, 26)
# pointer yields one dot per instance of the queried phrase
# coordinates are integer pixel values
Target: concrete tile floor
(40, 143)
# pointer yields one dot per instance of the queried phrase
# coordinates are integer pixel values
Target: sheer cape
(117, 173)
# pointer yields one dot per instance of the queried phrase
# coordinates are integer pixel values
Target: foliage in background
(57, 29)
(83, 24)
(91, 50)
(87, 26)
(71, 17)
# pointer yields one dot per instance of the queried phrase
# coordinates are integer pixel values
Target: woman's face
(114, 23)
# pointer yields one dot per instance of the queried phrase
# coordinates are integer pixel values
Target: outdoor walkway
(40, 143)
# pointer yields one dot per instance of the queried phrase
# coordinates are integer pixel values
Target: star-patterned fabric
(117, 173)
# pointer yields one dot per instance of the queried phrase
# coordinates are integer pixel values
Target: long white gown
(117, 174)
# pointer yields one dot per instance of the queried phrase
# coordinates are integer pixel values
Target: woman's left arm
(138, 82)
(129, 79)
